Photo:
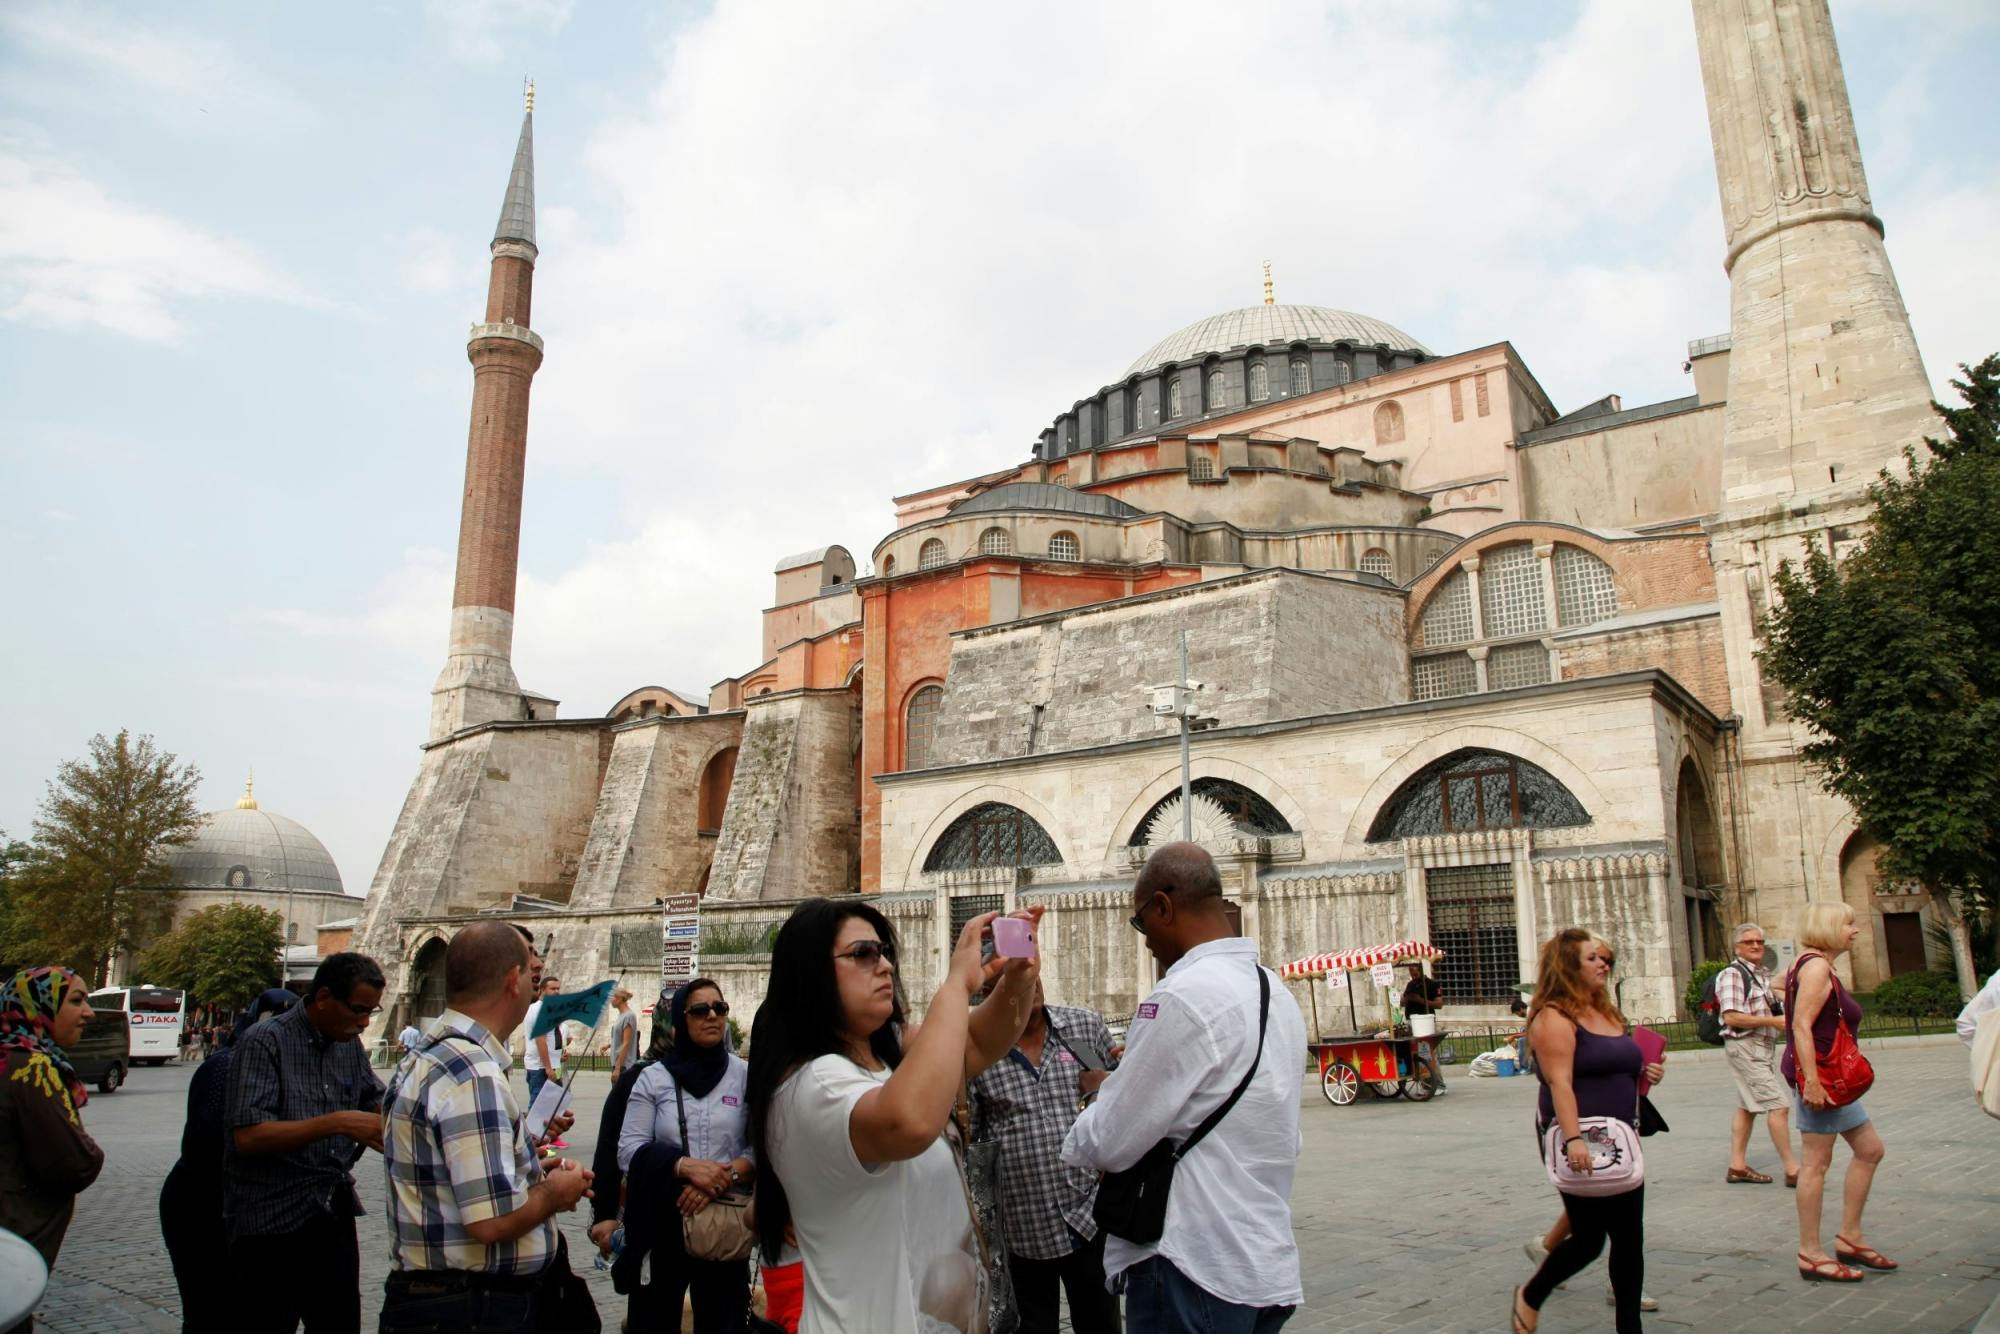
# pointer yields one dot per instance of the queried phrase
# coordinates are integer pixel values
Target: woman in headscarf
(686, 1140)
(47, 1158)
(191, 1199)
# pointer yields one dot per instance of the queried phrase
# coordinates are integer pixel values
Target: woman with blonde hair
(1588, 1068)
(1818, 1005)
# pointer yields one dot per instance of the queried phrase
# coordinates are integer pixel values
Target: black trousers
(1593, 1219)
(720, 1289)
(1092, 1310)
(311, 1276)
(190, 1218)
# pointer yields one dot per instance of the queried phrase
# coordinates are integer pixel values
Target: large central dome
(1272, 325)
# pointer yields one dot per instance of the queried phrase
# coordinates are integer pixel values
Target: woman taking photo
(848, 1114)
(1588, 1068)
(1818, 1005)
(684, 1141)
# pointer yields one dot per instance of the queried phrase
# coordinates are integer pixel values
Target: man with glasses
(301, 1105)
(1752, 1023)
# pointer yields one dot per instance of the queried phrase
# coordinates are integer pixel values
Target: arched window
(1302, 376)
(1061, 479)
(931, 554)
(920, 726)
(888, 565)
(1138, 415)
(1342, 372)
(1201, 467)
(1447, 617)
(1249, 812)
(1443, 675)
(1174, 398)
(1476, 789)
(1064, 546)
(996, 542)
(992, 836)
(1376, 561)
(1216, 391)
(1260, 382)
(1510, 591)
(1388, 423)
(1585, 591)
(713, 798)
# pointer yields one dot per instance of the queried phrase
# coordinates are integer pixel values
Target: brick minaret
(477, 684)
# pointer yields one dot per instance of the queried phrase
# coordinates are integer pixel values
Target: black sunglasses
(868, 953)
(1138, 919)
(703, 1009)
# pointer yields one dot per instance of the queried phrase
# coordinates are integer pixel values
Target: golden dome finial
(248, 801)
(528, 94)
(1270, 299)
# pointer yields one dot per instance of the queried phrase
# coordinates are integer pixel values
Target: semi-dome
(249, 848)
(1253, 326)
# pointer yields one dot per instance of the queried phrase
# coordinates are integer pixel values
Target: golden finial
(248, 801)
(1269, 298)
(528, 94)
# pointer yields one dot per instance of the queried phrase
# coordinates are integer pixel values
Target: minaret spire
(478, 684)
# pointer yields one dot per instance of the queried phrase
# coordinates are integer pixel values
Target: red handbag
(1844, 1073)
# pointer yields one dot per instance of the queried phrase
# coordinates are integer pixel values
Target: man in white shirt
(1226, 1260)
(408, 1038)
(541, 1058)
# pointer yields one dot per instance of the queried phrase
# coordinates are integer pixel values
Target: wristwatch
(735, 1177)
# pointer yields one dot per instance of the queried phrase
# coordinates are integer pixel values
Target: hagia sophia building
(1474, 668)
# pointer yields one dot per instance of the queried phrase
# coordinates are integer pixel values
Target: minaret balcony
(520, 333)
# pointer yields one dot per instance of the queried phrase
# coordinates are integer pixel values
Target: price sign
(1384, 974)
(680, 939)
(1336, 981)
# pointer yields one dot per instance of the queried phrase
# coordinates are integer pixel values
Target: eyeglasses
(868, 953)
(1138, 919)
(363, 1011)
(703, 1009)
(1751, 940)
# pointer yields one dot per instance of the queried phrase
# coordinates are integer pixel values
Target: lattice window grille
(1302, 379)
(1260, 382)
(635, 946)
(1447, 617)
(930, 555)
(1342, 372)
(1063, 546)
(1472, 920)
(1510, 591)
(1445, 675)
(1217, 392)
(1376, 561)
(1201, 468)
(920, 726)
(965, 907)
(1585, 591)
(1512, 665)
(992, 836)
(1174, 399)
(996, 542)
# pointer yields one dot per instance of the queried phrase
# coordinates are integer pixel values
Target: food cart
(1388, 1063)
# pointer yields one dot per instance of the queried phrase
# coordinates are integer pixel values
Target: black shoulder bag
(1133, 1203)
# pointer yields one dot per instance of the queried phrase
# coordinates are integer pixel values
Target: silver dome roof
(1272, 325)
(265, 851)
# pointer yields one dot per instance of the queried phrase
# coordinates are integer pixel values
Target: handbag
(1133, 1203)
(1844, 1073)
(979, 1173)
(727, 1228)
(1986, 1062)
(1617, 1160)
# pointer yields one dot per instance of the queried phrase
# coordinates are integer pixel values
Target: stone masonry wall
(1691, 651)
(790, 829)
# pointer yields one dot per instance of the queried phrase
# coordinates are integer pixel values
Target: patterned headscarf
(29, 1000)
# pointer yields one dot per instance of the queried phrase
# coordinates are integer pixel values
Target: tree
(98, 882)
(1892, 659)
(221, 956)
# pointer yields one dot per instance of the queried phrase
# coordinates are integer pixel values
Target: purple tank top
(1605, 1077)
(1840, 1005)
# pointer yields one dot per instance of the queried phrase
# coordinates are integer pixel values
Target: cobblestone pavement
(1409, 1217)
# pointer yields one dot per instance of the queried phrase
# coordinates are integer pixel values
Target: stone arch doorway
(1698, 842)
(427, 994)
(1894, 916)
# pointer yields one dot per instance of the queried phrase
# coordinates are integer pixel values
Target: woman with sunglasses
(848, 1111)
(686, 1112)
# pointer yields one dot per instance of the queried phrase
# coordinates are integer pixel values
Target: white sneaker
(1646, 1302)
(1537, 1253)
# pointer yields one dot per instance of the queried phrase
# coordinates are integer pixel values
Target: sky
(796, 259)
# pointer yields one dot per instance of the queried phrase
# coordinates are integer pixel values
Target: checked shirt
(455, 1155)
(1029, 1109)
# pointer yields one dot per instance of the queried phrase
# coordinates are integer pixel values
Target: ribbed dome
(1272, 325)
(265, 851)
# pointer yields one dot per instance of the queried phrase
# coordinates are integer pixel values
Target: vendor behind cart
(1425, 995)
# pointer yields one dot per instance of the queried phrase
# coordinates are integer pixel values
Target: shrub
(1698, 983)
(1923, 994)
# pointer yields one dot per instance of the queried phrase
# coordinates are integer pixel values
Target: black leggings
(1593, 1218)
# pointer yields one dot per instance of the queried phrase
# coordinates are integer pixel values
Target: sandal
(1861, 1255)
(1514, 1305)
(1738, 1176)
(1826, 1271)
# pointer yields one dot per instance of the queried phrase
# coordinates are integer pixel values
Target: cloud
(72, 256)
(125, 53)
(479, 32)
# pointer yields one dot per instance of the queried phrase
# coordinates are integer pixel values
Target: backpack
(1708, 1017)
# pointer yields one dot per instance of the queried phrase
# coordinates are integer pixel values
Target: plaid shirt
(1030, 1110)
(1734, 992)
(455, 1155)
(284, 1070)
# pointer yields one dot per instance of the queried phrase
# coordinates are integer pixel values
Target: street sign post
(680, 939)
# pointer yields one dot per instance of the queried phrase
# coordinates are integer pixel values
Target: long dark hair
(800, 1020)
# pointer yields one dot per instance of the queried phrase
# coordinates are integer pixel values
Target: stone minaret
(477, 684)
(1825, 390)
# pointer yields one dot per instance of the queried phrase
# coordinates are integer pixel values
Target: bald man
(1226, 1259)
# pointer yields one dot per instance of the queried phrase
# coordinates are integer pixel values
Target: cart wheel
(1422, 1084)
(1340, 1084)
(1386, 1088)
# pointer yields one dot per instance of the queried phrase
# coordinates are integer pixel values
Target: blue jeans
(1160, 1297)
(536, 1078)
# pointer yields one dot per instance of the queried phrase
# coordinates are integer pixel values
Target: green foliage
(738, 937)
(1928, 994)
(221, 956)
(1892, 658)
(1698, 983)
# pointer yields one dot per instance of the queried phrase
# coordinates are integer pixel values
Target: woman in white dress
(848, 1112)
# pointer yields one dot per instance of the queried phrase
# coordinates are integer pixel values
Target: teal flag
(582, 1006)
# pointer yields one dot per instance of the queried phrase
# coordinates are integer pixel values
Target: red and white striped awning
(1341, 961)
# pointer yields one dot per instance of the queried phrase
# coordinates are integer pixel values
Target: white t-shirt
(848, 1213)
(409, 1037)
(529, 1059)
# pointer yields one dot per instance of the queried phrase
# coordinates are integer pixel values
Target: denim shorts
(1827, 1120)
